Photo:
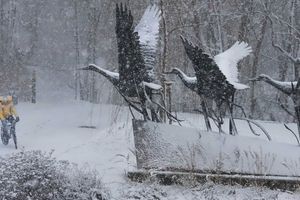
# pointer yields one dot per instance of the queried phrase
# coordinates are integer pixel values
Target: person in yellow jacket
(8, 110)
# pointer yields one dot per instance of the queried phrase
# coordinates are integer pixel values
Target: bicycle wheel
(13, 135)
(4, 137)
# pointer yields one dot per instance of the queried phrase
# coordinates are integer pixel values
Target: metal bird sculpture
(137, 48)
(217, 78)
(191, 83)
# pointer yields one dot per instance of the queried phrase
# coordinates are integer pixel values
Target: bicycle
(8, 131)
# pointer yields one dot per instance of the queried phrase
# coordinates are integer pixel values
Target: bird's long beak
(83, 68)
(253, 79)
(167, 72)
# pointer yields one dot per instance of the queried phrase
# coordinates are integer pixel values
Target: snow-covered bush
(37, 175)
(84, 183)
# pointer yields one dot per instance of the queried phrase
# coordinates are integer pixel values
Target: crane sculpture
(217, 78)
(191, 83)
(291, 89)
(137, 48)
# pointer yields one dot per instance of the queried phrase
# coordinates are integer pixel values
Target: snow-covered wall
(165, 147)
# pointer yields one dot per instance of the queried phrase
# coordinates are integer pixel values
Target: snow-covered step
(183, 178)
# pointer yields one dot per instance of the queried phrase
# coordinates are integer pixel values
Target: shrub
(38, 175)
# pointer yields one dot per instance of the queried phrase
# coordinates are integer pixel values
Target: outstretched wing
(227, 61)
(148, 31)
(203, 63)
(196, 55)
(132, 69)
(210, 80)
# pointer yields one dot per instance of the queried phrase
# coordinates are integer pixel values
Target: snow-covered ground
(109, 148)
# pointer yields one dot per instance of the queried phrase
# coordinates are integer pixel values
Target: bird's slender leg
(146, 98)
(154, 115)
(232, 126)
(145, 114)
(152, 110)
(218, 119)
(220, 122)
(131, 112)
(144, 109)
(205, 113)
(219, 116)
(143, 100)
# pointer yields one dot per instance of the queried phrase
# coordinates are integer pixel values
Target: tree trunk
(297, 69)
(297, 111)
(90, 80)
(33, 87)
(243, 30)
(255, 65)
(77, 52)
(2, 30)
(163, 56)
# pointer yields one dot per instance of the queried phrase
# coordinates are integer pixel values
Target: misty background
(43, 42)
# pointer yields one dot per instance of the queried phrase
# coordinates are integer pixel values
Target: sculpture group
(215, 79)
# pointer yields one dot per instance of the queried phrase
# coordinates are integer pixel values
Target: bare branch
(277, 46)
(286, 23)
(285, 108)
(181, 27)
